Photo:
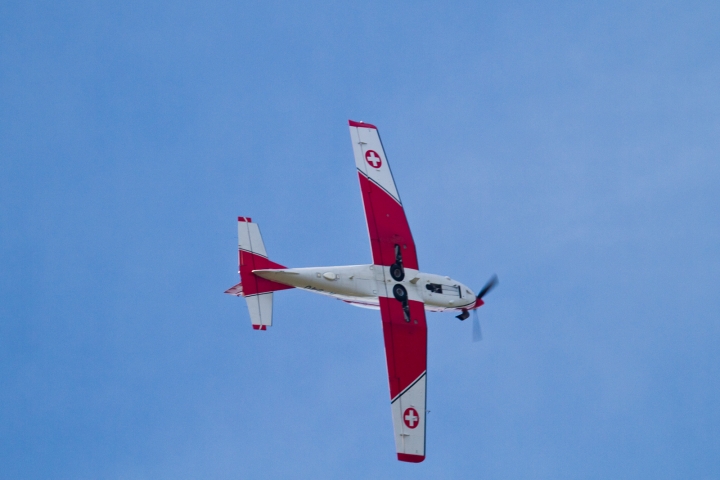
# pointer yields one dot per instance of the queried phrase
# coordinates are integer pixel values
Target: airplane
(392, 283)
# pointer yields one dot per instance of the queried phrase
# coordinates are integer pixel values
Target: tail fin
(256, 290)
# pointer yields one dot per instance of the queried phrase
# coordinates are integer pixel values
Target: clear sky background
(569, 147)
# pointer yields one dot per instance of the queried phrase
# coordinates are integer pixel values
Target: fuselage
(361, 285)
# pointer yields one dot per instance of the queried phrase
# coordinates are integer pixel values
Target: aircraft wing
(386, 221)
(405, 334)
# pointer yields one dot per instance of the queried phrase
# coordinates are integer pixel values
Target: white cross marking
(373, 159)
(410, 418)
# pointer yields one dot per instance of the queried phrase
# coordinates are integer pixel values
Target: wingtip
(353, 123)
(406, 457)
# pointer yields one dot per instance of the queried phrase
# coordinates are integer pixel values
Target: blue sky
(571, 148)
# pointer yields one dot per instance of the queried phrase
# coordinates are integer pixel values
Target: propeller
(477, 332)
(488, 286)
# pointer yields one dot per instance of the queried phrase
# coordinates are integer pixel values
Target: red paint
(235, 290)
(406, 457)
(411, 418)
(405, 343)
(478, 303)
(387, 226)
(259, 327)
(252, 284)
(373, 159)
(353, 123)
(245, 219)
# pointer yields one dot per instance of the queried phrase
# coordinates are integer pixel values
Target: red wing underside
(406, 355)
(387, 225)
(405, 342)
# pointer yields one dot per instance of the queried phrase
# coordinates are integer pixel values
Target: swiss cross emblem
(373, 159)
(411, 418)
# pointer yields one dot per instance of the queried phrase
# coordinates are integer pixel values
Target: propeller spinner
(477, 332)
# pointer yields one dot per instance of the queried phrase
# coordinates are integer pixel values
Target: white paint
(360, 284)
(260, 308)
(410, 418)
(249, 238)
(364, 140)
(410, 440)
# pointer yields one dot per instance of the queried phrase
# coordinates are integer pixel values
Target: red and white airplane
(393, 283)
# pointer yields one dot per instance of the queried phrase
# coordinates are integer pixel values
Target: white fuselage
(361, 285)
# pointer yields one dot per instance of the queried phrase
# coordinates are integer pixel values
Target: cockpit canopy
(455, 290)
(434, 287)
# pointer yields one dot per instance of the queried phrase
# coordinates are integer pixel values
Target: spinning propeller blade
(477, 333)
(488, 286)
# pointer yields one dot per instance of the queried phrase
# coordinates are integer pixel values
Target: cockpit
(455, 290)
(434, 287)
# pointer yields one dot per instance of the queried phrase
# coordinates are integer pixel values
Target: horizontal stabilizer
(260, 308)
(256, 290)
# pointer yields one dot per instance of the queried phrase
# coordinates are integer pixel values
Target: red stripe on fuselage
(387, 225)
(252, 284)
(405, 343)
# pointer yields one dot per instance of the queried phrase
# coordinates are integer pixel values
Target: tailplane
(256, 290)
